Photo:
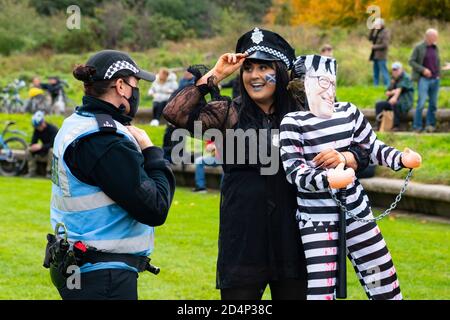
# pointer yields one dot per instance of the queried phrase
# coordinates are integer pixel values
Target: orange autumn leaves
(325, 13)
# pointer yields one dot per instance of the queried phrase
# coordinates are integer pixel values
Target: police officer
(111, 186)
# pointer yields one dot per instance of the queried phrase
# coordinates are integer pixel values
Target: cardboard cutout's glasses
(324, 82)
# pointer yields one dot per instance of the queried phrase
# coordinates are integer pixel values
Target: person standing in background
(425, 63)
(380, 37)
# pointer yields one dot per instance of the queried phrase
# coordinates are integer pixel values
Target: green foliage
(143, 24)
(197, 15)
(231, 24)
(255, 9)
(134, 24)
(142, 30)
(430, 9)
(15, 34)
(51, 7)
(70, 41)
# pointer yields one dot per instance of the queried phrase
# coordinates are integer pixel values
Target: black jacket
(47, 137)
(259, 237)
(141, 183)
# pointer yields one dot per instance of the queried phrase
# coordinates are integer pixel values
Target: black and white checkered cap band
(117, 66)
(271, 51)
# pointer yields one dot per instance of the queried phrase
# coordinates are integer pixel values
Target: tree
(254, 9)
(15, 35)
(111, 17)
(51, 7)
(429, 9)
(197, 15)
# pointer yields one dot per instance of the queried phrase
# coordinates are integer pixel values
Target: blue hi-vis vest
(88, 213)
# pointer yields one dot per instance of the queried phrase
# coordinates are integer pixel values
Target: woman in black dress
(259, 240)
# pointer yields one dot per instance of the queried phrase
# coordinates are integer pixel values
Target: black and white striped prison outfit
(302, 137)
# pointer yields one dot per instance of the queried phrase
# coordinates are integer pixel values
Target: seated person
(161, 90)
(37, 97)
(45, 133)
(200, 163)
(36, 82)
(187, 80)
(400, 96)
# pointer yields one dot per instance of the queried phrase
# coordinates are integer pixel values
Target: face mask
(133, 100)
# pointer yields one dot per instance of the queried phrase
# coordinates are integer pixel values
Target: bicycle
(4, 100)
(38, 100)
(13, 151)
(10, 98)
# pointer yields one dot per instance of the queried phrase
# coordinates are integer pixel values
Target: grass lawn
(186, 249)
(434, 148)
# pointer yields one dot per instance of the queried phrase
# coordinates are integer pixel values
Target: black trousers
(107, 284)
(158, 108)
(384, 105)
(286, 289)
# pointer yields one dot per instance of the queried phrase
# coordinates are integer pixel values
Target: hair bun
(84, 73)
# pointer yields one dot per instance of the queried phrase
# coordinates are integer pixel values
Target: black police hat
(266, 45)
(112, 64)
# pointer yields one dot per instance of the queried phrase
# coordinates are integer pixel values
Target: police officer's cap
(112, 64)
(266, 45)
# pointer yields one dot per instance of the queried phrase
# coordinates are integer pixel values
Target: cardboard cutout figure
(320, 85)
(303, 135)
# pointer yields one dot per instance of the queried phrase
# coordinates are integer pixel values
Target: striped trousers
(367, 251)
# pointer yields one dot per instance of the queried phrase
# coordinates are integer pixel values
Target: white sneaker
(154, 123)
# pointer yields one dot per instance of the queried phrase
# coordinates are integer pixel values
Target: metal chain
(385, 213)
